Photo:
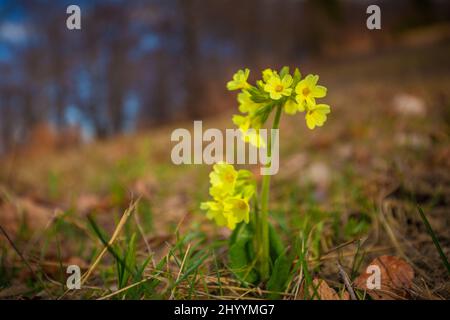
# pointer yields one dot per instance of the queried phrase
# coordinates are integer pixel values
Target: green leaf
(241, 255)
(235, 233)
(276, 245)
(279, 276)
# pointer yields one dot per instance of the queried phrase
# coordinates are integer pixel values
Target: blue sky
(12, 28)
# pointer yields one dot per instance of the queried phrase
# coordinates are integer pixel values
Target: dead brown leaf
(396, 278)
(24, 211)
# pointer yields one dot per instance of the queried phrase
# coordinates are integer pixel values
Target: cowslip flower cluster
(255, 251)
(281, 88)
(231, 191)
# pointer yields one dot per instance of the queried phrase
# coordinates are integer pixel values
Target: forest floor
(348, 191)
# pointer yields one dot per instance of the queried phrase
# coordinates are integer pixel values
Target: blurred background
(139, 64)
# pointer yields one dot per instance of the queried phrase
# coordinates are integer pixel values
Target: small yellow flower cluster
(250, 124)
(231, 191)
(277, 88)
(239, 80)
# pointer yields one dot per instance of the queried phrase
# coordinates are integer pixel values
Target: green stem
(264, 217)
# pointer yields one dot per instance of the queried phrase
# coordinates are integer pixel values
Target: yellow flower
(317, 115)
(267, 74)
(243, 122)
(277, 88)
(291, 107)
(249, 130)
(307, 90)
(235, 211)
(214, 211)
(231, 191)
(239, 80)
(222, 179)
(254, 138)
(246, 104)
(228, 212)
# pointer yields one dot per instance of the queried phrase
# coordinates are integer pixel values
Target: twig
(342, 245)
(347, 283)
(126, 288)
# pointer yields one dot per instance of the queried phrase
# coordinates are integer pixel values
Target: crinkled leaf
(241, 254)
(279, 276)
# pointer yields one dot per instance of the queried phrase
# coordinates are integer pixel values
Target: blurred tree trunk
(160, 95)
(191, 55)
(58, 76)
(116, 87)
(7, 119)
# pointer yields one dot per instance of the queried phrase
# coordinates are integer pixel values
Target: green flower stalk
(264, 220)
(232, 191)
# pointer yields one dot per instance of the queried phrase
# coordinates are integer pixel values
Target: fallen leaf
(395, 281)
(323, 291)
(24, 211)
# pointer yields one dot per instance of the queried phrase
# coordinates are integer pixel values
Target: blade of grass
(119, 227)
(108, 246)
(216, 265)
(181, 270)
(434, 238)
(191, 269)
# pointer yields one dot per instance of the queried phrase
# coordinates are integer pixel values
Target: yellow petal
(291, 107)
(323, 108)
(310, 122)
(311, 80)
(274, 95)
(310, 101)
(319, 91)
